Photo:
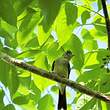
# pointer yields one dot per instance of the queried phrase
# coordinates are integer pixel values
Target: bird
(61, 67)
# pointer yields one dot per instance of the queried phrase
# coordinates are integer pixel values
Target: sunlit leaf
(89, 75)
(101, 29)
(63, 30)
(86, 34)
(46, 103)
(42, 35)
(71, 13)
(26, 28)
(50, 10)
(29, 53)
(33, 43)
(75, 45)
(53, 51)
(104, 107)
(91, 59)
(38, 32)
(29, 106)
(39, 82)
(25, 81)
(41, 61)
(90, 44)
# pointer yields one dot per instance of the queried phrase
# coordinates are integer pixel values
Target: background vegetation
(37, 32)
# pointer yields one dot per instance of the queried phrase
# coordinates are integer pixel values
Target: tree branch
(53, 76)
(107, 20)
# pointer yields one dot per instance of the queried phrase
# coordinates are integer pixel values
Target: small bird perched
(61, 66)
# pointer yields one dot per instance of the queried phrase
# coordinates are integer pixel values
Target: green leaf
(104, 106)
(31, 53)
(35, 92)
(63, 30)
(98, 21)
(101, 29)
(4, 74)
(31, 105)
(102, 53)
(89, 75)
(99, 5)
(1, 98)
(104, 82)
(42, 61)
(7, 12)
(55, 89)
(50, 10)
(53, 51)
(42, 35)
(20, 100)
(33, 43)
(39, 82)
(99, 105)
(74, 44)
(46, 103)
(85, 16)
(10, 29)
(13, 80)
(90, 44)
(90, 59)
(86, 34)
(8, 76)
(108, 106)
(8, 32)
(89, 105)
(9, 107)
(25, 80)
(21, 5)
(27, 26)
(71, 13)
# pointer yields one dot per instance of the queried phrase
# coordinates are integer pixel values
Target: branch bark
(107, 20)
(53, 76)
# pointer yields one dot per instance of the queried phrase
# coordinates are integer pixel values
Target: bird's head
(68, 55)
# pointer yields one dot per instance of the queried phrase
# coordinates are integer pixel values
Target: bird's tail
(62, 100)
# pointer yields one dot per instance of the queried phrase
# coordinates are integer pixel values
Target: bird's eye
(69, 53)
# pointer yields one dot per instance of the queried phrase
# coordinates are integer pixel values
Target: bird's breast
(61, 68)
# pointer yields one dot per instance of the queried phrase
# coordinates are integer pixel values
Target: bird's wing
(53, 65)
(69, 69)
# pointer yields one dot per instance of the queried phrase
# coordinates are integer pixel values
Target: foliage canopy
(38, 31)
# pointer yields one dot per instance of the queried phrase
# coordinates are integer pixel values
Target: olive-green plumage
(61, 66)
